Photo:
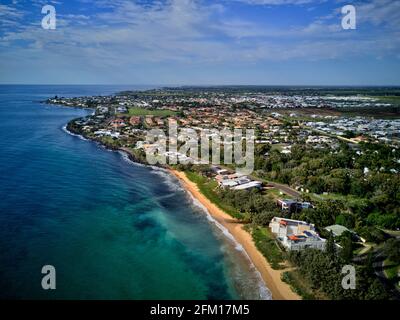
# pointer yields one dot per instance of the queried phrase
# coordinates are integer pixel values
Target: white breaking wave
(170, 180)
(125, 157)
(64, 128)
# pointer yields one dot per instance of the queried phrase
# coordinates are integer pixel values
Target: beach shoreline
(272, 278)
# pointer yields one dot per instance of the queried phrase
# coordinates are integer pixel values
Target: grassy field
(277, 194)
(278, 147)
(150, 112)
(383, 112)
(349, 199)
(388, 99)
(265, 242)
(208, 187)
(300, 286)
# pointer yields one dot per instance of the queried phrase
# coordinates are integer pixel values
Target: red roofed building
(135, 120)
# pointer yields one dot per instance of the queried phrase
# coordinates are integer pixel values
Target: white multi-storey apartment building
(296, 235)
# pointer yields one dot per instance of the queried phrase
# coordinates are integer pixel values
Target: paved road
(286, 189)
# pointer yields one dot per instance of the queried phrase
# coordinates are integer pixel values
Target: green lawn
(349, 199)
(276, 193)
(278, 147)
(150, 112)
(265, 242)
(388, 99)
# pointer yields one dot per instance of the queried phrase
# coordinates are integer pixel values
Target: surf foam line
(64, 128)
(171, 181)
(265, 294)
(125, 157)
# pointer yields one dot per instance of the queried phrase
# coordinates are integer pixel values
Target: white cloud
(10, 16)
(379, 12)
(278, 2)
(188, 32)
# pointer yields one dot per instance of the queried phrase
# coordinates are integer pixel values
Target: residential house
(296, 234)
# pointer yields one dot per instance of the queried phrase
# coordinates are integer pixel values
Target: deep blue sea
(111, 228)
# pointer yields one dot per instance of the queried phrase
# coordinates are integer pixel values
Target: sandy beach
(272, 278)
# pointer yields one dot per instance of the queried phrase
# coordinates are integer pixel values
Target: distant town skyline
(200, 42)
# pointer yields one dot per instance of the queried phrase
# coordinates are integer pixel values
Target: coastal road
(286, 189)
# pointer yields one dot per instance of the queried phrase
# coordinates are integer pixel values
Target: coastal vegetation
(209, 189)
(322, 270)
(300, 286)
(267, 245)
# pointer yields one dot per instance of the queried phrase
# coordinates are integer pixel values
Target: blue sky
(188, 42)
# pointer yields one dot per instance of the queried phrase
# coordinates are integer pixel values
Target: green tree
(346, 220)
(330, 248)
(346, 253)
(392, 250)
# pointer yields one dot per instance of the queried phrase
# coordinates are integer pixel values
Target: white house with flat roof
(296, 234)
(249, 185)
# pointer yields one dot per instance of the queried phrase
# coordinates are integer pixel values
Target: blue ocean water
(111, 228)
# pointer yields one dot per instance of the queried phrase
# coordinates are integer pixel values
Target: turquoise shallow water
(112, 229)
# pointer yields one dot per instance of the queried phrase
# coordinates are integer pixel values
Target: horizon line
(210, 85)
